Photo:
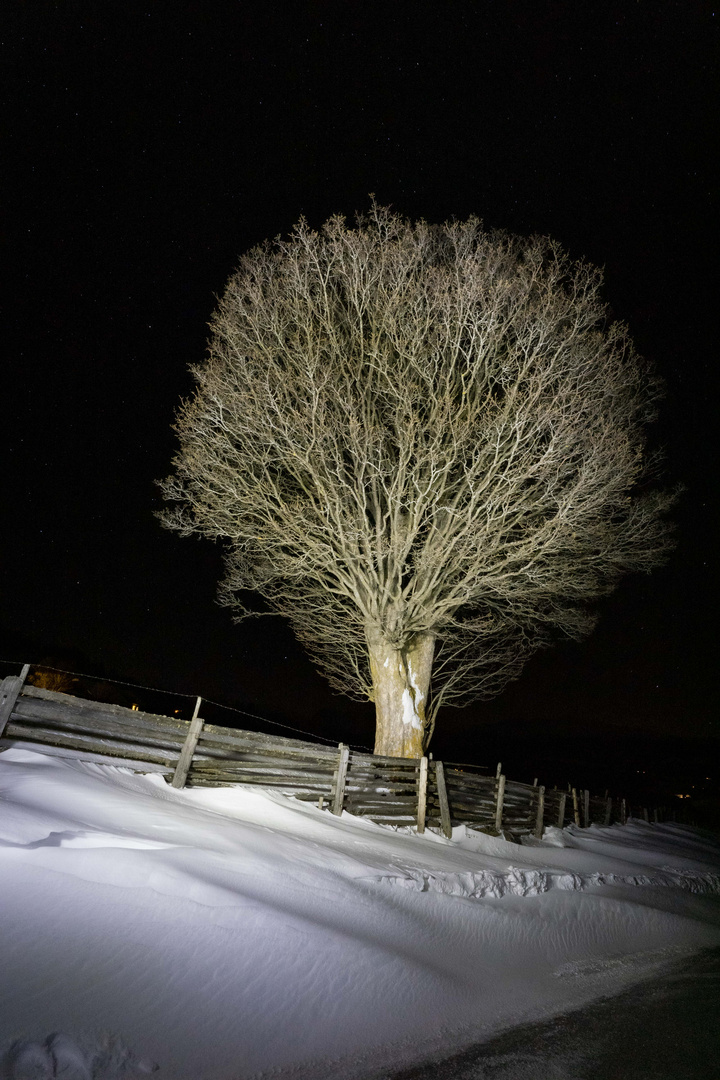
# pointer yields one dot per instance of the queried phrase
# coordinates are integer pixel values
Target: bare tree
(425, 448)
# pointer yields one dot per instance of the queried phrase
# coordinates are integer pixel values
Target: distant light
(135, 707)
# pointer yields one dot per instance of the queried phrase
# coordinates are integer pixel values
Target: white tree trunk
(401, 679)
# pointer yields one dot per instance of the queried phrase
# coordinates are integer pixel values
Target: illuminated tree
(424, 446)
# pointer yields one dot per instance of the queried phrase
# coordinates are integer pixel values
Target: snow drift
(223, 933)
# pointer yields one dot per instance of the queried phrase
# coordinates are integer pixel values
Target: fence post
(422, 794)
(561, 811)
(608, 810)
(586, 808)
(10, 690)
(186, 754)
(540, 818)
(623, 813)
(576, 808)
(443, 800)
(339, 785)
(499, 803)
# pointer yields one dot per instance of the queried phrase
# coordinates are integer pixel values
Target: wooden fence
(394, 791)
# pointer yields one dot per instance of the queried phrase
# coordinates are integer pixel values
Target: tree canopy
(424, 447)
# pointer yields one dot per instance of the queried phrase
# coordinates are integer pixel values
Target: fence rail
(395, 791)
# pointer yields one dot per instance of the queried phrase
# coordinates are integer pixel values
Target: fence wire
(179, 693)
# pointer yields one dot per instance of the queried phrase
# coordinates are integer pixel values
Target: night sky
(145, 147)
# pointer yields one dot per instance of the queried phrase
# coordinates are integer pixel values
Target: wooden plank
(381, 759)
(404, 807)
(276, 784)
(409, 793)
(396, 820)
(310, 794)
(409, 797)
(378, 772)
(456, 776)
(483, 794)
(72, 741)
(135, 735)
(265, 761)
(443, 799)
(260, 776)
(280, 742)
(576, 808)
(71, 753)
(517, 822)
(540, 816)
(461, 795)
(88, 719)
(395, 792)
(561, 810)
(378, 795)
(500, 800)
(339, 782)
(461, 809)
(608, 811)
(471, 777)
(408, 801)
(586, 808)
(244, 742)
(20, 729)
(461, 798)
(462, 765)
(521, 791)
(381, 789)
(316, 783)
(484, 789)
(32, 729)
(520, 805)
(100, 709)
(322, 782)
(256, 752)
(382, 800)
(186, 754)
(10, 689)
(466, 806)
(255, 768)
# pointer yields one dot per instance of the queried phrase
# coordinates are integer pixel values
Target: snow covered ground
(223, 934)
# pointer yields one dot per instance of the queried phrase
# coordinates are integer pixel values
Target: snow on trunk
(401, 679)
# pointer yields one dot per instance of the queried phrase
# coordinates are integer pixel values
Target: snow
(217, 934)
(409, 711)
(412, 676)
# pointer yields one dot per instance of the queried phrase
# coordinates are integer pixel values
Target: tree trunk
(401, 679)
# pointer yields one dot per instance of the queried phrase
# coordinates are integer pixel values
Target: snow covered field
(221, 934)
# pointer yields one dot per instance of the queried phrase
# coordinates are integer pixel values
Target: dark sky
(145, 146)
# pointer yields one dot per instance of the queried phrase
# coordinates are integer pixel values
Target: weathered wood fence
(394, 791)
